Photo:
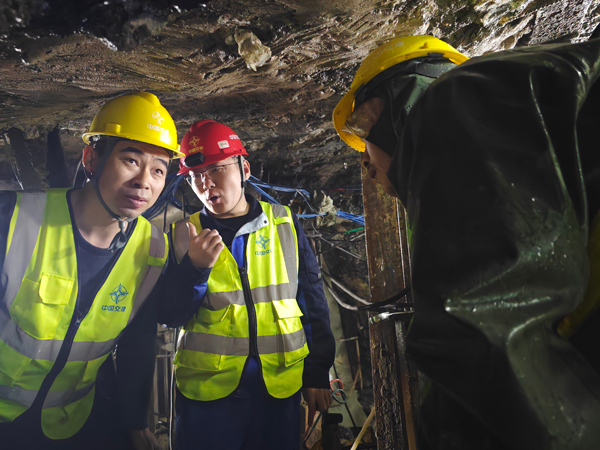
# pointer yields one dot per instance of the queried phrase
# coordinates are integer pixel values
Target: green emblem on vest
(263, 242)
(118, 294)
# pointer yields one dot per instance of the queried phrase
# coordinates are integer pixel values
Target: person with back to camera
(495, 160)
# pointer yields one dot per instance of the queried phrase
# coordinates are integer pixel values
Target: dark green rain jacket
(499, 168)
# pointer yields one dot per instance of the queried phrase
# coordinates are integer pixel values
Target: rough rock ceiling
(60, 60)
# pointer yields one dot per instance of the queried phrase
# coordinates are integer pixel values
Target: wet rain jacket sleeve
(493, 167)
(315, 320)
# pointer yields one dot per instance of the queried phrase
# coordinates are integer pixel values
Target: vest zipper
(65, 349)
(251, 311)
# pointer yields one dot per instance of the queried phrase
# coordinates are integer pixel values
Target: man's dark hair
(98, 143)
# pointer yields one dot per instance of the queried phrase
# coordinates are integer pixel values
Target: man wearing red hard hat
(258, 331)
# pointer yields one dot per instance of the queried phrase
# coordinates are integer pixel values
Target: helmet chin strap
(121, 238)
(241, 166)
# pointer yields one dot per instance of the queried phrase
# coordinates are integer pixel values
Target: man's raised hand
(205, 247)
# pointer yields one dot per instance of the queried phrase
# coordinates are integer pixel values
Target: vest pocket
(38, 306)
(207, 340)
(289, 327)
(208, 362)
(208, 316)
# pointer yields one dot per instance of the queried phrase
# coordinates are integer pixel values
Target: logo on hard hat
(194, 144)
(160, 120)
(223, 144)
(234, 136)
(156, 116)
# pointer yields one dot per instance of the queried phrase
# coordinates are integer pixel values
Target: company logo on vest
(263, 242)
(117, 295)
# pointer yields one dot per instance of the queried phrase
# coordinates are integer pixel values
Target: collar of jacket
(208, 221)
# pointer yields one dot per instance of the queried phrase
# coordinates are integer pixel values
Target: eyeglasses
(214, 173)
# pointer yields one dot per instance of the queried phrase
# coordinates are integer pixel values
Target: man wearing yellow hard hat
(77, 269)
(495, 160)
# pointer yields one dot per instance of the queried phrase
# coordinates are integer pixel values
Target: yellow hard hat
(383, 57)
(138, 116)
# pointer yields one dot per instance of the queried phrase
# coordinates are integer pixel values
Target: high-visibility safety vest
(250, 310)
(41, 290)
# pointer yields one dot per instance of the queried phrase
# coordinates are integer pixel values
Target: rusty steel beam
(395, 382)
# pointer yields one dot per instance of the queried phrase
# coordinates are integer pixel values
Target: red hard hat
(206, 143)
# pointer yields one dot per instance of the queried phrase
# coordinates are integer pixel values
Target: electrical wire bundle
(258, 185)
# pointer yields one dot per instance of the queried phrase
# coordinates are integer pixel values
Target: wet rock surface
(60, 60)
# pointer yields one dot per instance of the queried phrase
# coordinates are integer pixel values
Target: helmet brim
(172, 149)
(184, 170)
(416, 47)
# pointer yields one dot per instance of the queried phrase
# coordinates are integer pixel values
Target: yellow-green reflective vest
(215, 344)
(41, 289)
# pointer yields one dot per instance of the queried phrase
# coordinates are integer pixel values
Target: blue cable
(341, 214)
(263, 193)
(256, 182)
(258, 185)
(309, 216)
(360, 219)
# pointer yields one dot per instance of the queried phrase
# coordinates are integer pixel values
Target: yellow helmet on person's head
(382, 58)
(138, 116)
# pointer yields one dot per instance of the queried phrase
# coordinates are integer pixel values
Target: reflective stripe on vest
(216, 343)
(238, 346)
(25, 397)
(41, 220)
(23, 239)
